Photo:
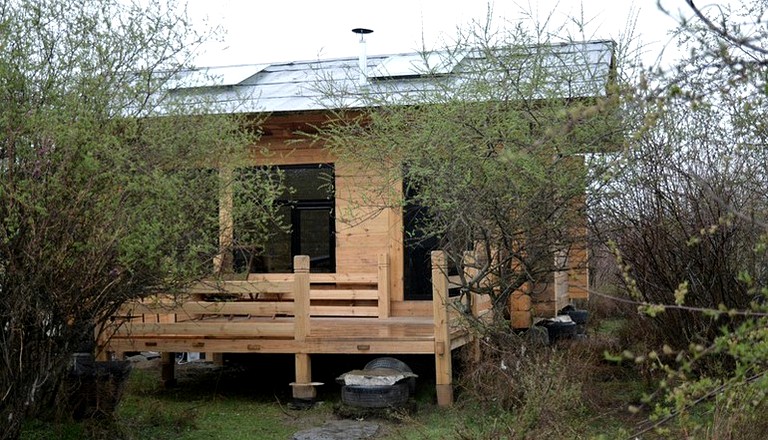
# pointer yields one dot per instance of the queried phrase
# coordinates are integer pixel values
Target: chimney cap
(362, 31)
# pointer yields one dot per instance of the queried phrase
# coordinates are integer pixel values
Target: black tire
(393, 364)
(560, 330)
(578, 316)
(375, 396)
(388, 362)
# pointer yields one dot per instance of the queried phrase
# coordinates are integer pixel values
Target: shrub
(526, 389)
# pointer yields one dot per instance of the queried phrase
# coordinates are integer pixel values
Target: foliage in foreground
(691, 235)
(490, 158)
(108, 187)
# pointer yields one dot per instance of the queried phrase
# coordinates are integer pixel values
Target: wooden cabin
(343, 280)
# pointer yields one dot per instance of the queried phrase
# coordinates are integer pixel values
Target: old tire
(375, 396)
(559, 331)
(578, 316)
(393, 364)
(388, 362)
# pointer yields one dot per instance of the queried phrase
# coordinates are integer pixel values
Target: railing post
(302, 387)
(222, 262)
(443, 367)
(383, 288)
(470, 272)
(561, 278)
(301, 296)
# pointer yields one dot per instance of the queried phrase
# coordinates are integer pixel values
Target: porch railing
(225, 308)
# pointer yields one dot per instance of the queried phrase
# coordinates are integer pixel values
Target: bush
(525, 388)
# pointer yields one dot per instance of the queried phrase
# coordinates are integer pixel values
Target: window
(305, 225)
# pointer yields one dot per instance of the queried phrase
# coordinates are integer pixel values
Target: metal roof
(581, 69)
(215, 76)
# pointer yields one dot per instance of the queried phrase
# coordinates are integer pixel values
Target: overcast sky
(258, 31)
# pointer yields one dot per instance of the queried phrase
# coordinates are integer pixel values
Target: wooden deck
(300, 314)
(401, 335)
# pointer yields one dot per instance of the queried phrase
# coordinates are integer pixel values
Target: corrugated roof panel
(217, 76)
(416, 64)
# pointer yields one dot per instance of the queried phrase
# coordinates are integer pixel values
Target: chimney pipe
(363, 60)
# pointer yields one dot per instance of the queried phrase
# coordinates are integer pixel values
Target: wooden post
(443, 367)
(101, 346)
(561, 278)
(167, 365)
(470, 271)
(384, 296)
(302, 387)
(301, 297)
(222, 262)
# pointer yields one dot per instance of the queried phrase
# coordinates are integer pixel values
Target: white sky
(259, 31)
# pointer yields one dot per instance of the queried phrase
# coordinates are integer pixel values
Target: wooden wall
(367, 222)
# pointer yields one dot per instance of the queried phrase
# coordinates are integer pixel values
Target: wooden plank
(520, 302)
(411, 308)
(209, 328)
(357, 262)
(191, 308)
(443, 367)
(521, 319)
(344, 294)
(317, 278)
(330, 295)
(270, 277)
(166, 318)
(345, 278)
(481, 304)
(239, 287)
(301, 296)
(245, 345)
(370, 311)
(282, 152)
(383, 284)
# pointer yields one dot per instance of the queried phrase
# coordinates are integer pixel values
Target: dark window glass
(306, 214)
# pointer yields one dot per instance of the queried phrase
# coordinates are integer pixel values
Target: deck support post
(384, 304)
(443, 366)
(167, 365)
(303, 387)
